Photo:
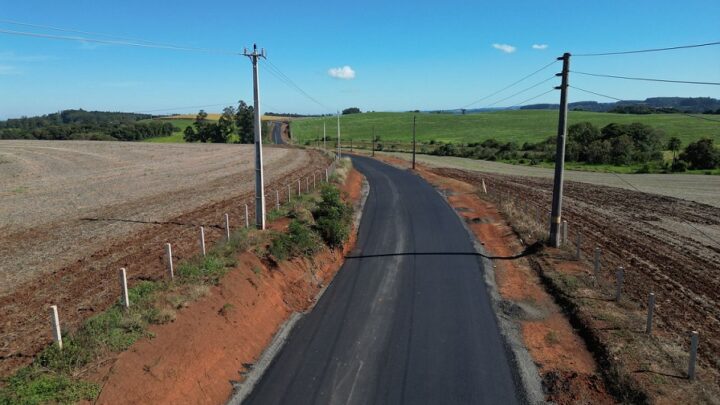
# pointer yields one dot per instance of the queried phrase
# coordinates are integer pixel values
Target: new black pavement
(395, 327)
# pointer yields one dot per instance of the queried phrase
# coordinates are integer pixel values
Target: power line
(520, 92)
(530, 99)
(645, 79)
(510, 85)
(672, 48)
(139, 44)
(275, 71)
(619, 99)
(54, 28)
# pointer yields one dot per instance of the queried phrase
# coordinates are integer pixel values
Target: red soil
(212, 342)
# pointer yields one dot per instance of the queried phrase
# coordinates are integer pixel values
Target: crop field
(519, 126)
(74, 212)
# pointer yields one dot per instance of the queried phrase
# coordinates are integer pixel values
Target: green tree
(244, 117)
(674, 144)
(226, 125)
(201, 125)
(190, 135)
(351, 110)
(622, 150)
(701, 154)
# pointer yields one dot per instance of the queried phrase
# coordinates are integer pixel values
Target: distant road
(407, 320)
(277, 133)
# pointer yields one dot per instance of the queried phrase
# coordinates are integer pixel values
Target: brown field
(72, 213)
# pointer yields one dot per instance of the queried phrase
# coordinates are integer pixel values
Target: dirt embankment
(218, 338)
(88, 284)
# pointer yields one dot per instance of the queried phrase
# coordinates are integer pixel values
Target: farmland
(74, 212)
(518, 126)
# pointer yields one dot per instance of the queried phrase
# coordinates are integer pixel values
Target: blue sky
(404, 54)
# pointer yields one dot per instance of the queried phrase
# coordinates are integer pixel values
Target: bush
(300, 240)
(333, 217)
(701, 154)
(678, 166)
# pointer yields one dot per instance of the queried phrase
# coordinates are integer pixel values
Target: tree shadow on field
(533, 249)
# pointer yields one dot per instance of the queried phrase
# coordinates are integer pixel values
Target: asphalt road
(277, 133)
(407, 319)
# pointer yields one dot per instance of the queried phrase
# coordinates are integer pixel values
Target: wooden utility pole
(338, 134)
(373, 143)
(556, 213)
(414, 117)
(259, 183)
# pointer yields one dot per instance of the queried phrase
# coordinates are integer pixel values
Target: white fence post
(227, 227)
(55, 319)
(123, 286)
(247, 217)
(202, 240)
(277, 199)
(168, 257)
(299, 191)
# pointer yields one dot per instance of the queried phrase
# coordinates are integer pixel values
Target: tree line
(615, 144)
(233, 121)
(88, 125)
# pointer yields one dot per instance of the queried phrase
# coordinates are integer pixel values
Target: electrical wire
(530, 99)
(139, 44)
(672, 48)
(275, 71)
(521, 91)
(510, 85)
(619, 99)
(645, 79)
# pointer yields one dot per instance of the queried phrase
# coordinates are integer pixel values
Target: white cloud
(10, 56)
(540, 46)
(345, 72)
(505, 48)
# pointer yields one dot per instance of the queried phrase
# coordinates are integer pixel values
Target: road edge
(525, 373)
(241, 390)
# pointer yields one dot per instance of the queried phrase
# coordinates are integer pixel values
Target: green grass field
(519, 126)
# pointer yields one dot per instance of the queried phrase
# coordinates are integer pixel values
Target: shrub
(333, 217)
(678, 166)
(701, 154)
(300, 240)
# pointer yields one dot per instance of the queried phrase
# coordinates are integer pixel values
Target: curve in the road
(398, 329)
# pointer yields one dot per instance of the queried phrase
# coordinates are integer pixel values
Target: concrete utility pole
(414, 117)
(324, 137)
(338, 148)
(556, 214)
(259, 183)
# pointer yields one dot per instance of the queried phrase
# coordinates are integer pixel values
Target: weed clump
(333, 217)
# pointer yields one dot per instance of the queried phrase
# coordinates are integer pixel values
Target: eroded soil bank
(218, 338)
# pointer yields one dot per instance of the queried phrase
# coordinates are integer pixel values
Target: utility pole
(324, 137)
(556, 213)
(414, 117)
(373, 143)
(338, 146)
(259, 183)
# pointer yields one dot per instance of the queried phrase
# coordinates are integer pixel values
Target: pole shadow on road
(530, 250)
